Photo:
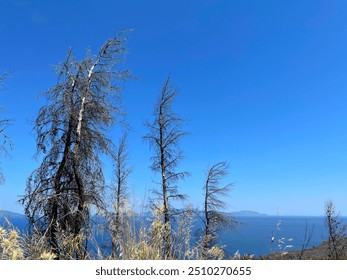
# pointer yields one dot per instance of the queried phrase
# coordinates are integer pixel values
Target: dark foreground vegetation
(320, 252)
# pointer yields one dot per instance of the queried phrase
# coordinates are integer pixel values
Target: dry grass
(145, 240)
(136, 241)
(11, 244)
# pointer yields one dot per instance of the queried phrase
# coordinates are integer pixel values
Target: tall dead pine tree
(164, 137)
(71, 134)
(214, 194)
(122, 170)
(4, 139)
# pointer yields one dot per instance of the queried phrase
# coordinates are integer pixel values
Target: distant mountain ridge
(247, 213)
(10, 215)
(9, 219)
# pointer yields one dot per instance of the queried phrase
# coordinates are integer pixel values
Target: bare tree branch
(4, 139)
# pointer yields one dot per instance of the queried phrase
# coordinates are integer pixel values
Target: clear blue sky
(262, 83)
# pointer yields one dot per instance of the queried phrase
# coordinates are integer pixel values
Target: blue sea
(263, 235)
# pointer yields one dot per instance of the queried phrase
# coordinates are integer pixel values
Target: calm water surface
(254, 235)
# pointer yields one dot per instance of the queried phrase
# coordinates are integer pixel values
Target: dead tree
(4, 139)
(213, 218)
(71, 134)
(336, 232)
(122, 170)
(307, 239)
(164, 137)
